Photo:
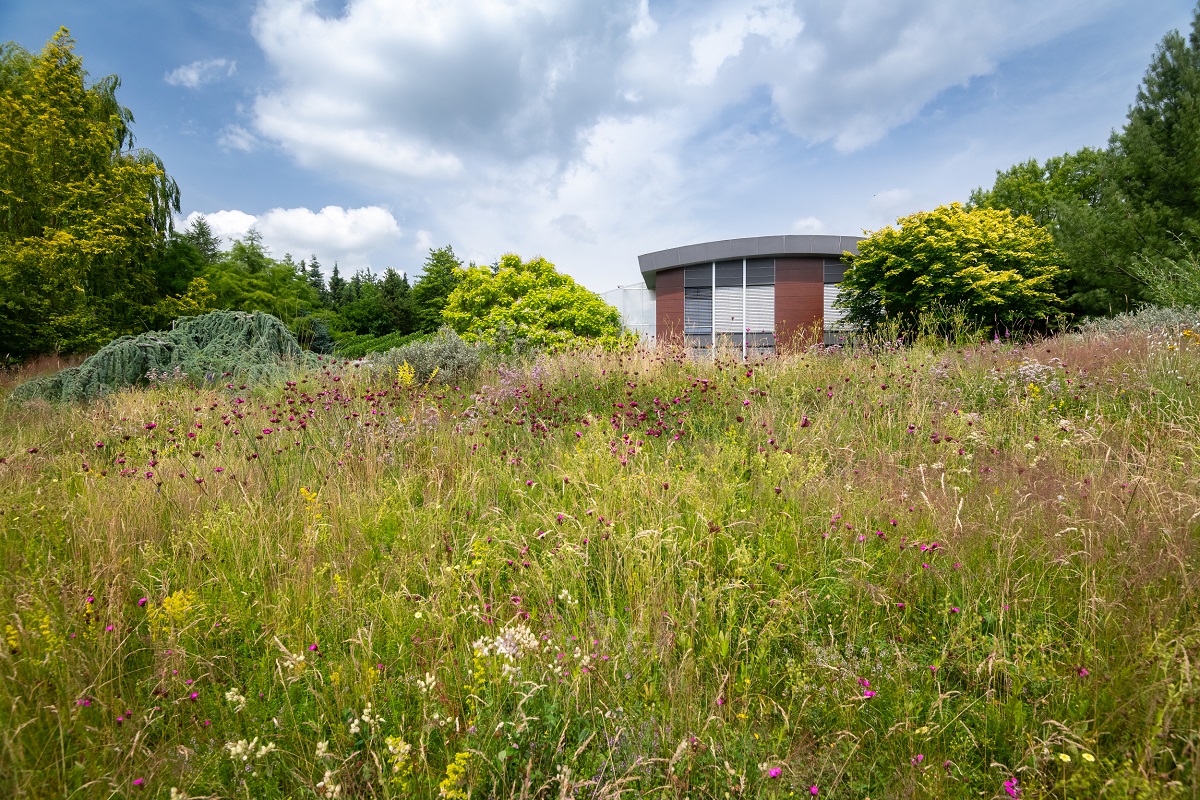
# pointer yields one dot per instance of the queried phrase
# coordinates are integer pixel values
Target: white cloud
(229, 225)
(572, 127)
(354, 237)
(235, 137)
(724, 37)
(198, 73)
(808, 225)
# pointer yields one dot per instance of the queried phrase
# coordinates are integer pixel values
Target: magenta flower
(139, 781)
(775, 772)
(1083, 672)
(813, 790)
(1011, 788)
(868, 694)
(143, 602)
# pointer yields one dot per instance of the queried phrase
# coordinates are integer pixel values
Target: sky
(368, 131)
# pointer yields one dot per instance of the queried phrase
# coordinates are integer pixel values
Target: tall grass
(885, 572)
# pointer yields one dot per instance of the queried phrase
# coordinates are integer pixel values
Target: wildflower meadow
(899, 570)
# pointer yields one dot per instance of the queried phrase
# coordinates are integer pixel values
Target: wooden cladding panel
(799, 298)
(668, 316)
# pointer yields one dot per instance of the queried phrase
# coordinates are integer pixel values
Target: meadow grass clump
(887, 571)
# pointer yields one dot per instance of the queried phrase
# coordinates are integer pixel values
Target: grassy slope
(710, 564)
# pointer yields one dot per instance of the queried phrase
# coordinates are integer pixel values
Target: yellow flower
(1063, 757)
(1088, 757)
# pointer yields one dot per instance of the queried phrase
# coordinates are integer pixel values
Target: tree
(82, 212)
(1067, 195)
(248, 279)
(1042, 190)
(396, 296)
(529, 301)
(991, 267)
(315, 279)
(441, 273)
(337, 288)
(1127, 218)
(207, 243)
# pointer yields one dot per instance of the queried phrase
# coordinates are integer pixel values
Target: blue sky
(367, 131)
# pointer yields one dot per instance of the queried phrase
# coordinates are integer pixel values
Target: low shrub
(446, 357)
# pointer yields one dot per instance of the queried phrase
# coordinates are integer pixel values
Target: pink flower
(139, 781)
(868, 694)
(775, 772)
(1083, 672)
(813, 790)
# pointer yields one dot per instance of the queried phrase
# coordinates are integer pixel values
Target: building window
(730, 304)
(836, 330)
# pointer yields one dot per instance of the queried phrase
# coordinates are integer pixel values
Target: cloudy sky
(367, 131)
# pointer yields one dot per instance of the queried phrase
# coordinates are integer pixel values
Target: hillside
(894, 572)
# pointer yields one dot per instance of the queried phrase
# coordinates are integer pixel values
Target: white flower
(237, 699)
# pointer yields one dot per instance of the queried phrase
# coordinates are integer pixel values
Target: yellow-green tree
(83, 213)
(992, 268)
(526, 302)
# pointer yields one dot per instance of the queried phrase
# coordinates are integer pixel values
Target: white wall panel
(727, 309)
(760, 309)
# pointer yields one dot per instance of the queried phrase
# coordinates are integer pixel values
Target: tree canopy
(83, 214)
(987, 265)
(528, 301)
(1127, 218)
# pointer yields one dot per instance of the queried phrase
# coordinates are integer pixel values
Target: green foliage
(207, 244)
(205, 348)
(82, 213)
(527, 302)
(357, 346)
(1126, 218)
(981, 266)
(440, 275)
(248, 279)
(614, 575)
(444, 357)
(1040, 191)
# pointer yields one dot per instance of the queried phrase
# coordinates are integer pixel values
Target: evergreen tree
(396, 295)
(207, 243)
(316, 279)
(1156, 157)
(441, 274)
(337, 288)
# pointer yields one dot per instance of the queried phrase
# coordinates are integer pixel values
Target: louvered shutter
(760, 309)
(833, 316)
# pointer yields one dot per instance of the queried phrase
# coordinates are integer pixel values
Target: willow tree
(83, 213)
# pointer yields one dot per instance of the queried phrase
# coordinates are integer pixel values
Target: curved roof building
(747, 293)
